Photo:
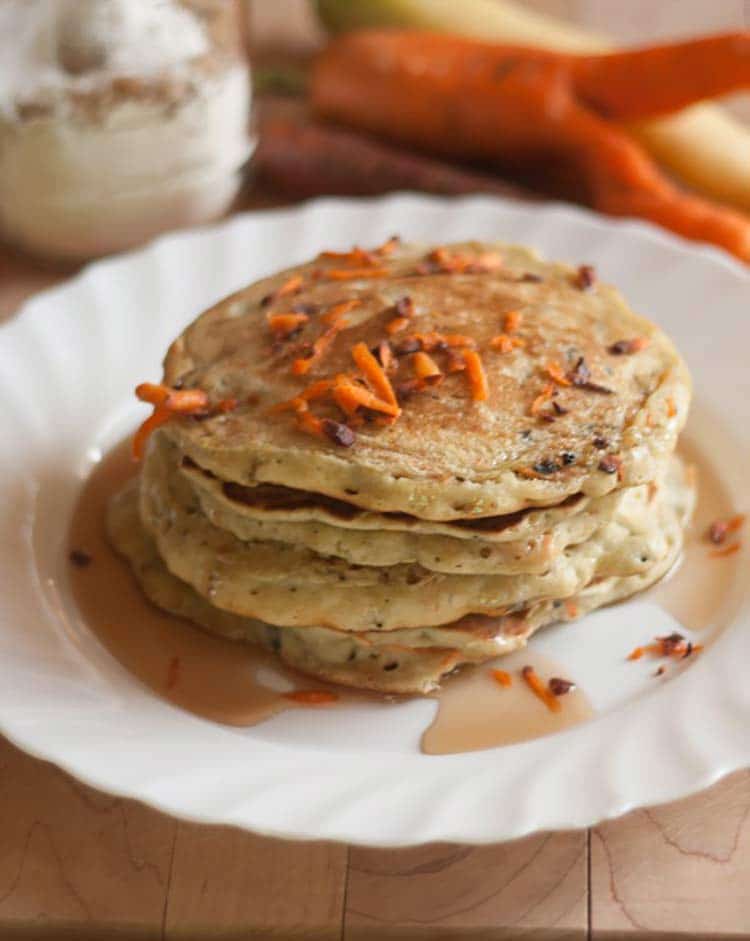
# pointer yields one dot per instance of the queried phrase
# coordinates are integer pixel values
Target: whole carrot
(464, 98)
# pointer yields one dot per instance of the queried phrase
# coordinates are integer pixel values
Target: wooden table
(77, 864)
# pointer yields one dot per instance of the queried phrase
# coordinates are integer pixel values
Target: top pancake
(446, 457)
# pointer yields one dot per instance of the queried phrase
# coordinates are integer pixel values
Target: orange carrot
(160, 417)
(477, 376)
(353, 274)
(334, 316)
(426, 368)
(541, 400)
(555, 371)
(540, 690)
(469, 99)
(725, 551)
(283, 325)
(502, 677)
(374, 373)
(350, 396)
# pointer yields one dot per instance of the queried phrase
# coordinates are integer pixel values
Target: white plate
(68, 364)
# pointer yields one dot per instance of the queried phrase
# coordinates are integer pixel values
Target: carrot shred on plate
(538, 688)
(502, 677)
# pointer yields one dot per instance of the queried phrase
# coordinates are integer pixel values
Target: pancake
(291, 586)
(271, 504)
(438, 553)
(446, 457)
(409, 661)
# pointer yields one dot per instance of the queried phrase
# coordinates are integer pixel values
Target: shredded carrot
(302, 366)
(311, 697)
(477, 376)
(283, 325)
(505, 344)
(350, 396)
(353, 274)
(725, 550)
(541, 400)
(310, 423)
(571, 609)
(512, 321)
(464, 264)
(395, 325)
(540, 690)
(167, 402)
(290, 286)
(160, 416)
(555, 371)
(674, 645)
(356, 255)
(333, 317)
(425, 367)
(317, 390)
(153, 394)
(297, 404)
(736, 522)
(374, 373)
(502, 677)
(459, 340)
(671, 408)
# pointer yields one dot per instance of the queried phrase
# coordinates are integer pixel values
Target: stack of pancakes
(507, 463)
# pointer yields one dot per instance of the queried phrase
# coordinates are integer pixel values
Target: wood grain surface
(76, 864)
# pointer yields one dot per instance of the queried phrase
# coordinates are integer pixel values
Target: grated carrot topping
(356, 255)
(333, 316)
(571, 609)
(502, 677)
(541, 400)
(505, 344)
(350, 396)
(555, 371)
(302, 366)
(290, 286)
(636, 654)
(736, 522)
(353, 274)
(283, 325)
(161, 415)
(311, 697)
(374, 374)
(477, 376)
(317, 390)
(725, 551)
(458, 340)
(152, 393)
(671, 408)
(426, 368)
(540, 690)
(512, 321)
(167, 403)
(395, 325)
(310, 423)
